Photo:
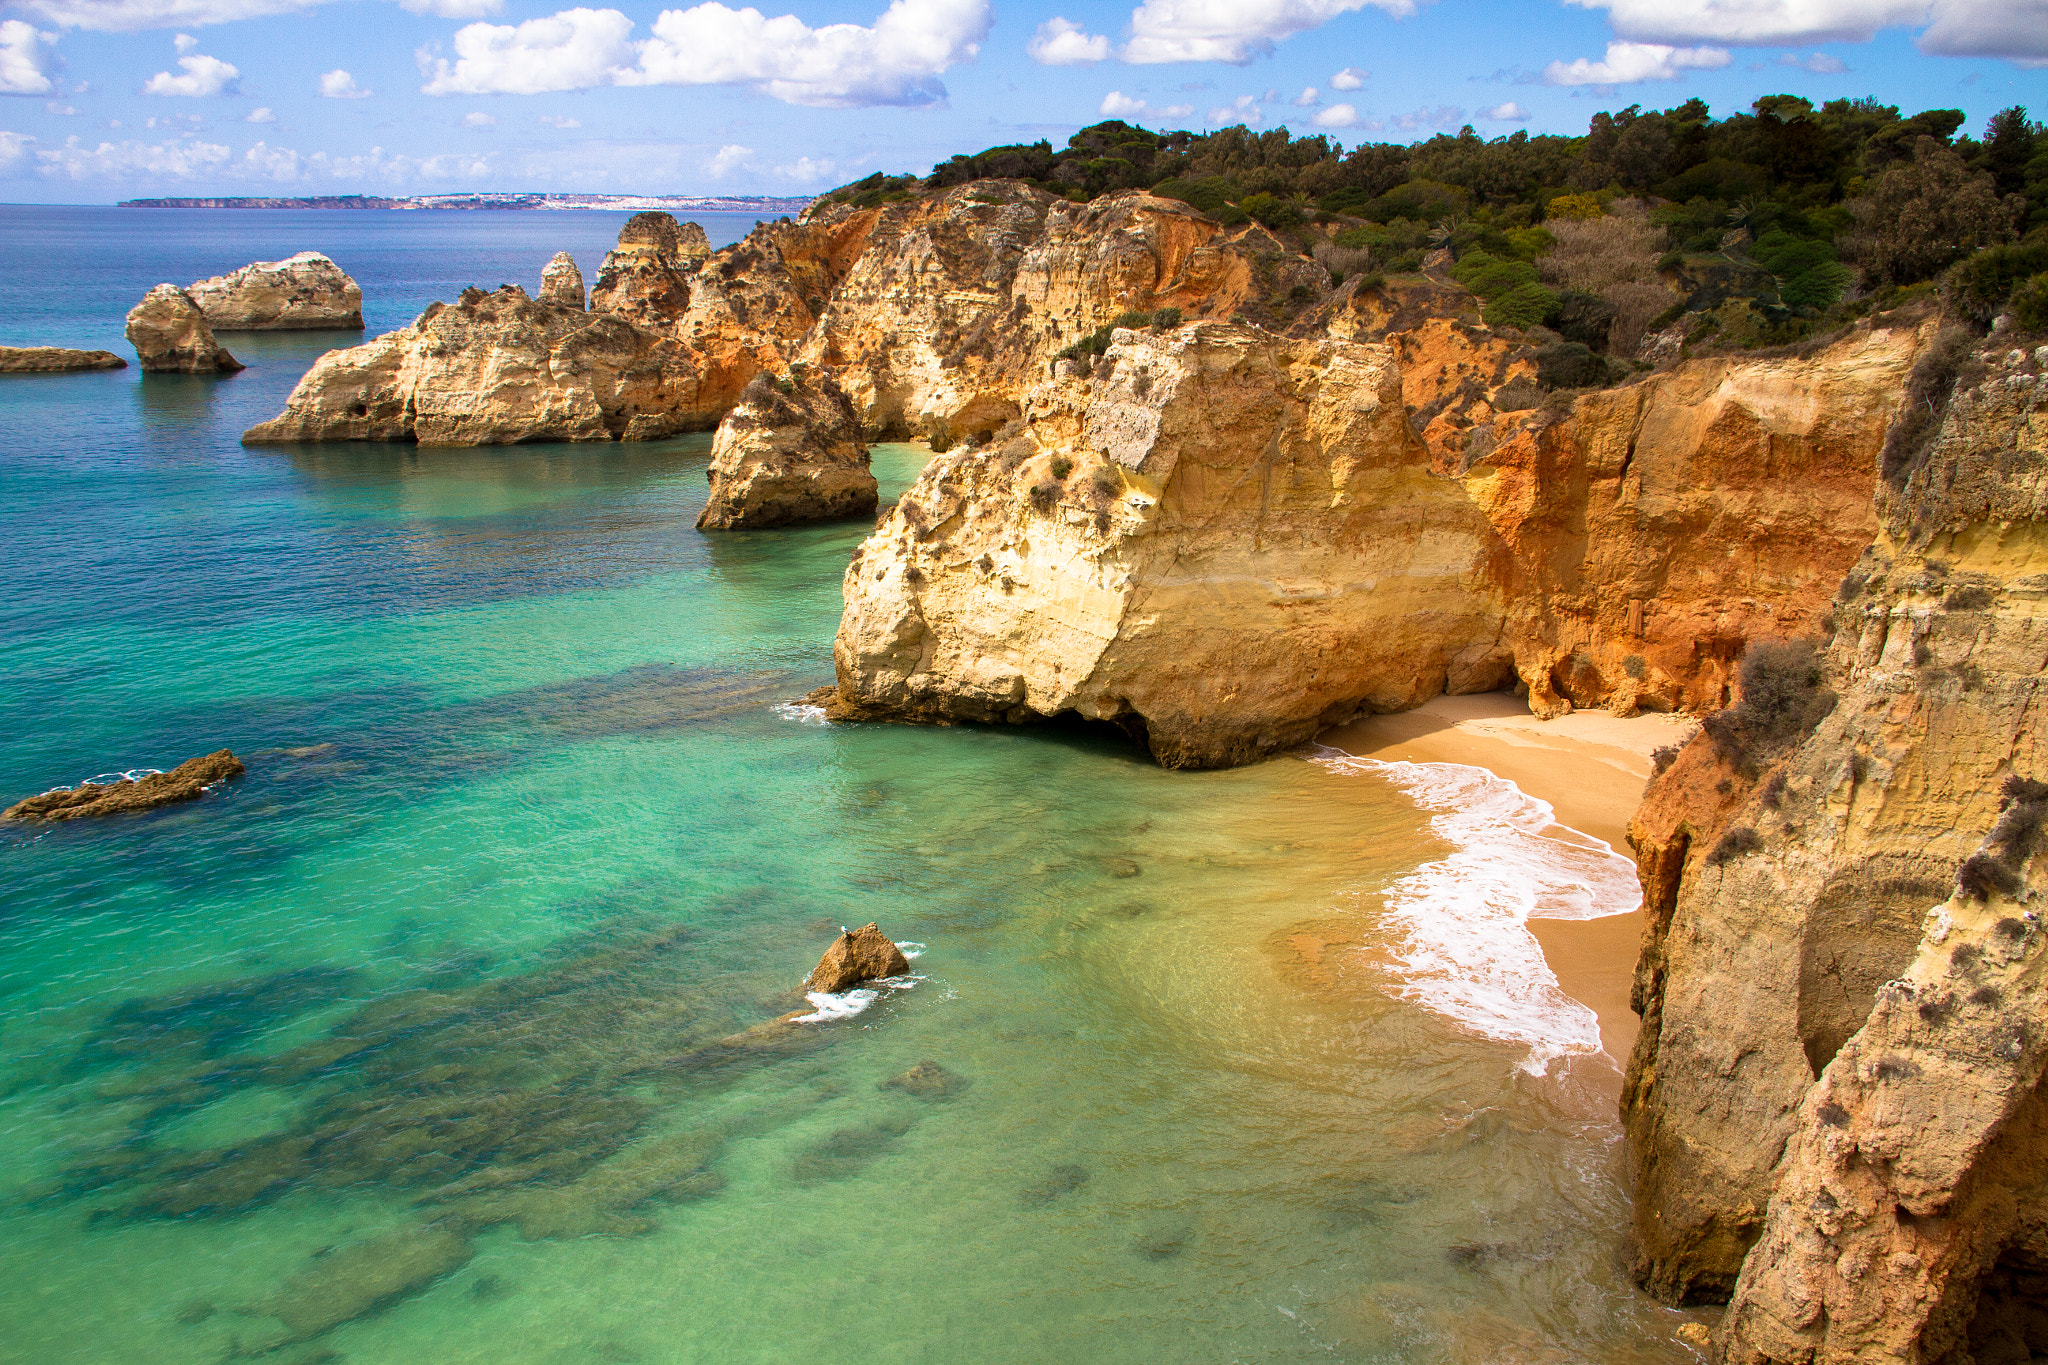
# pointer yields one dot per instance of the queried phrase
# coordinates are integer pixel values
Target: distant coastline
(689, 203)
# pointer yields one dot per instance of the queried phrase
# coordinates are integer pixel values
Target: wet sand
(1591, 767)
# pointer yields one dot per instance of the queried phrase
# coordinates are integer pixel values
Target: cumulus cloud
(1234, 31)
(2013, 29)
(1308, 98)
(261, 114)
(573, 50)
(60, 110)
(185, 42)
(1509, 112)
(1626, 63)
(805, 171)
(203, 76)
(76, 160)
(13, 149)
(557, 121)
(1337, 116)
(1062, 42)
(1350, 78)
(339, 85)
(1244, 109)
(727, 159)
(455, 9)
(128, 15)
(1116, 104)
(21, 59)
(479, 119)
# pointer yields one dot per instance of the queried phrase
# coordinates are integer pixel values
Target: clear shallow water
(435, 1003)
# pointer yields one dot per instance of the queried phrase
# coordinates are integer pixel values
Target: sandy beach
(1591, 767)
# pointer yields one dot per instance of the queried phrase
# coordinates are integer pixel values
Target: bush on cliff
(1784, 696)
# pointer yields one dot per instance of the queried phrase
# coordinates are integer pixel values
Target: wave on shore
(1461, 942)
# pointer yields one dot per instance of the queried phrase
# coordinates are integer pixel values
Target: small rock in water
(195, 1312)
(170, 335)
(928, 1081)
(1474, 1255)
(182, 783)
(55, 360)
(863, 954)
(1060, 1180)
(1695, 1334)
(1162, 1244)
(1121, 867)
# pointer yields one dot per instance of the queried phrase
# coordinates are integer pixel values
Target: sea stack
(863, 954)
(170, 335)
(562, 282)
(646, 277)
(791, 451)
(305, 292)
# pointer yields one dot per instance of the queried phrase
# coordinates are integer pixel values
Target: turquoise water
(427, 1040)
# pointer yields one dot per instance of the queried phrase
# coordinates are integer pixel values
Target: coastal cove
(528, 805)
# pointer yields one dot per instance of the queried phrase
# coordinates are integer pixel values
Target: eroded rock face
(170, 335)
(53, 359)
(300, 293)
(863, 954)
(1224, 540)
(646, 278)
(1834, 1107)
(791, 451)
(186, 782)
(494, 369)
(561, 282)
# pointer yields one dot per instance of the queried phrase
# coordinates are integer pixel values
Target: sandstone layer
(1835, 1108)
(791, 451)
(170, 335)
(300, 293)
(186, 782)
(562, 282)
(1223, 540)
(53, 359)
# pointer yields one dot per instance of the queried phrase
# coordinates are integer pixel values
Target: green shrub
(1982, 284)
(1166, 319)
(1489, 277)
(1061, 466)
(1784, 696)
(2030, 303)
(1570, 365)
(1523, 307)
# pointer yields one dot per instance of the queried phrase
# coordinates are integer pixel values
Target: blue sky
(105, 99)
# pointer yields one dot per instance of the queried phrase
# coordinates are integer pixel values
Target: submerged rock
(863, 954)
(186, 782)
(171, 336)
(1063, 1179)
(561, 282)
(55, 359)
(928, 1081)
(791, 451)
(363, 1278)
(300, 293)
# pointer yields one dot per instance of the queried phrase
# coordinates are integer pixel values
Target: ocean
(427, 1039)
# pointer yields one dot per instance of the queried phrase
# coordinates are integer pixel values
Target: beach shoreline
(1590, 767)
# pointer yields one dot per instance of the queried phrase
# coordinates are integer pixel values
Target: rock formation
(791, 451)
(561, 282)
(300, 293)
(186, 782)
(1835, 1106)
(863, 954)
(51, 359)
(170, 335)
(493, 369)
(646, 278)
(1223, 540)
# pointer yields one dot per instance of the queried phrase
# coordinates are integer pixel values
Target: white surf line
(1462, 944)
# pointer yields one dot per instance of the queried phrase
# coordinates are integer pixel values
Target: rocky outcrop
(494, 369)
(1835, 1108)
(54, 359)
(1223, 540)
(186, 782)
(646, 278)
(170, 335)
(791, 451)
(300, 293)
(561, 282)
(863, 954)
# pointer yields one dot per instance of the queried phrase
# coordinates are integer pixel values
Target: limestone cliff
(1834, 1107)
(170, 335)
(561, 282)
(303, 292)
(791, 451)
(1222, 539)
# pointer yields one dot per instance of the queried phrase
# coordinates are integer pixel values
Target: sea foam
(802, 712)
(1461, 942)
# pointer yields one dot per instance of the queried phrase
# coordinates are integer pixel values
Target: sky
(108, 99)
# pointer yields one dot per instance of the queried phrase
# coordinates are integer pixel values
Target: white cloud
(2014, 29)
(13, 148)
(260, 114)
(838, 66)
(339, 85)
(573, 50)
(60, 110)
(1308, 98)
(1626, 63)
(1062, 42)
(1443, 118)
(203, 76)
(1509, 112)
(126, 160)
(1116, 104)
(1234, 31)
(1350, 78)
(1820, 63)
(1244, 109)
(726, 159)
(21, 59)
(807, 171)
(185, 42)
(454, 9)
(1763, 22)
(128, 15)
(479, 119)
(1337, 116)
(557, 121)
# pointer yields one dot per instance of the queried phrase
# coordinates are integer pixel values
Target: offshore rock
(493, 369)
(55, 359)
(1223, 540)
(170, 335)
(1835, 1109)
(646, 278)
(186, 782)
(561, 282)
(863, 954)
(300, 293)
(791, 451)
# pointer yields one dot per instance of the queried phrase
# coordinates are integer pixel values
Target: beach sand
(1591, 767)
